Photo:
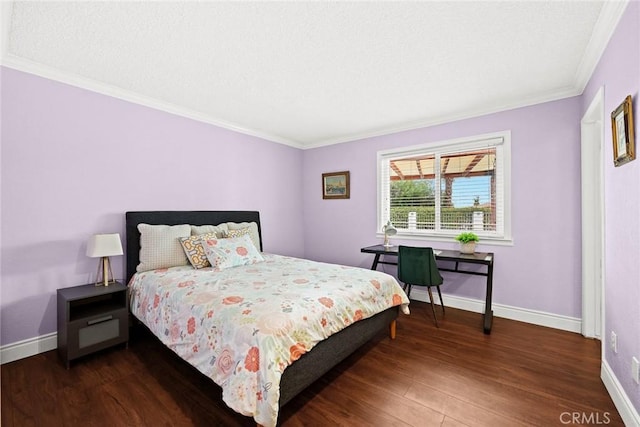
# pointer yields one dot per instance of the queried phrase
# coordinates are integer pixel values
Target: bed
(293, 375)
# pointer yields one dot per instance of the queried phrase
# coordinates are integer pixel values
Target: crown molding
(566, 92)
(605, 27)
(51, 73)
(606, 24)
(24, 65)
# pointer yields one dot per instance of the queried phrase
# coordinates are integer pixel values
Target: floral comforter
(244, 325)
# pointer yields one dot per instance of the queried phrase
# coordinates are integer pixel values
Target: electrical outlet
(635, 370)
(614, 342)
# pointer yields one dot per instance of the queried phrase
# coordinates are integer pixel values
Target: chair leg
(441, 300)
(433, 307)
(407, 289)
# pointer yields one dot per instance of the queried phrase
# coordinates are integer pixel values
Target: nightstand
(91, 318)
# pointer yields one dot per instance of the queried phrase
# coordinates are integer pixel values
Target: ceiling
(308, 74)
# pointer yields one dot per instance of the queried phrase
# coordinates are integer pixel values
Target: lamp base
(106, 272)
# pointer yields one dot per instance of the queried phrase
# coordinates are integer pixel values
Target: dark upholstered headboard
(176, 218)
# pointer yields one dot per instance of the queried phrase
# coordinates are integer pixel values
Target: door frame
(593, 236)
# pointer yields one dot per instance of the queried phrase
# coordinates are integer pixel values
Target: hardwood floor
(453, 376)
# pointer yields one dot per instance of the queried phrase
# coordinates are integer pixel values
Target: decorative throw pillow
(194, 250)
(238, 233)
(160, 246)
(220, 229)
(231, 252)
(253, 231)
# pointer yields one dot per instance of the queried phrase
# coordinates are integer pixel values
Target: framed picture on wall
(335, 185)
(623, 137)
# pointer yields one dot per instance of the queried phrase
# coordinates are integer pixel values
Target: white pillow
(220, 229)
(231, 252)
(160, 246)
(253, 231)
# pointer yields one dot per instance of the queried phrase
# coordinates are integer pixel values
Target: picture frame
(623, 133)
(335, 185)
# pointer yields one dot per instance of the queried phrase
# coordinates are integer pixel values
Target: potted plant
(468, 242)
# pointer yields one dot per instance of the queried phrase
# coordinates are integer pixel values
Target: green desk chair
(417, 266)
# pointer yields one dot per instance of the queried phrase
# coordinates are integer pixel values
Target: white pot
(467, 248)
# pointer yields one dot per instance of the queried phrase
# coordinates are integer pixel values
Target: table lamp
(103, 246)
(389, 230)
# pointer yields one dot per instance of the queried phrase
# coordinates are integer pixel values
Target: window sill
(448, 239)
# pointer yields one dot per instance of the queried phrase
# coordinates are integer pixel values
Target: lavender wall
(619, 73)
(541, 271)
(74, 161)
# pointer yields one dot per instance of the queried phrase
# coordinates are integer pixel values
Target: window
(443, 188)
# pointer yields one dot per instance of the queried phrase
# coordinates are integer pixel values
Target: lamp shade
(389, 229)
(101, 245)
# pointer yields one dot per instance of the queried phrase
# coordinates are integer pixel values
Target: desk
(482, 258)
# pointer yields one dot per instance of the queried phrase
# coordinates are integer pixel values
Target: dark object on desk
(417, 266)
(482, 258)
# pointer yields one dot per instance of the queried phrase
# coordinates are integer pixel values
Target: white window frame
(502, 142)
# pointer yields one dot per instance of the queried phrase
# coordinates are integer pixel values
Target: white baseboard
(33, 346)
(623, 404)
(29, 347)
(37, 345)
(541, 318)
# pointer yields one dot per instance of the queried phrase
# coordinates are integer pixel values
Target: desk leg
(488, 312)
(375, 262)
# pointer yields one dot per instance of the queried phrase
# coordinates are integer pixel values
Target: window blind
(445, 188)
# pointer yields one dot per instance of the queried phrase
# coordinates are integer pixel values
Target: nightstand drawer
(97, 332)
(102, 330)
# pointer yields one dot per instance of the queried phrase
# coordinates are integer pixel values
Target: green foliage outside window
(415, 192)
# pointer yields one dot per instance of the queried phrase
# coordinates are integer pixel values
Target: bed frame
(313, 364)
